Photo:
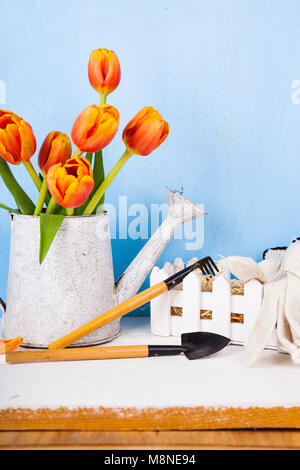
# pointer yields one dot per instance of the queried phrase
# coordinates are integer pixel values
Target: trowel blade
(201, 343)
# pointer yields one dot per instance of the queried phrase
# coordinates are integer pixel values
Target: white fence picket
(237, 306)
(160, 306)
(176, 325)
(176, 301)
(176, 320)
(206, 304)
(221, 307)
(252, 303)
(191, 303)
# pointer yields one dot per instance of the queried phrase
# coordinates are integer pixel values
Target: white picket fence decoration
(192, 300)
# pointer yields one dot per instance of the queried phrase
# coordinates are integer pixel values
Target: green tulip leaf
(98, 177)
(49, 226)
(23, 202)
(3, 206)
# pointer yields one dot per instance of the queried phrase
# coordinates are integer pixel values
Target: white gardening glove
(246, 269)
(272, 308)
(288, 325)
(272, 303)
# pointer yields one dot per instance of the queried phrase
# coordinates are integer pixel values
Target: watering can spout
(180, 210)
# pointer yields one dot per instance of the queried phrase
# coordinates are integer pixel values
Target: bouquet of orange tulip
(67, 184)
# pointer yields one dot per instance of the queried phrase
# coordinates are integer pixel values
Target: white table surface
(221, 380)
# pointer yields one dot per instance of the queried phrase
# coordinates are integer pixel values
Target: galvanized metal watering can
(75, 283)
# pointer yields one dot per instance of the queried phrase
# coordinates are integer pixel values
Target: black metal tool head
(202, 343)
(206, 265)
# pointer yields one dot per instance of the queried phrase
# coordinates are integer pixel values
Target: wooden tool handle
(110, 315)
(77, 354)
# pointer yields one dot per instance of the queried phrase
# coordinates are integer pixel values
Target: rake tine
(214, 264)
(213, 267)
(203, 270)
(205, 267)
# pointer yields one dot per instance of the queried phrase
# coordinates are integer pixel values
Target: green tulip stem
(70, 211)
(103, 97)
(43, 192)
(29, 167)
(51, 207)
(106, 182)
(77, 153)
(89, 157)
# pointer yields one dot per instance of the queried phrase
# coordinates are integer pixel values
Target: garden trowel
(193, 345)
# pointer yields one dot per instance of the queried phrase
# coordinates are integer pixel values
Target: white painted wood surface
(220, 380)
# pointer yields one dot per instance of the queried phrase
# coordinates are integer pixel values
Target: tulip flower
(95, 127)
(104, 72)
(56, 148)
(70, 184)
(17, 142)
(143, 134)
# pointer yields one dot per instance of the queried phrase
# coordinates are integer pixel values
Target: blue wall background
(219, 71)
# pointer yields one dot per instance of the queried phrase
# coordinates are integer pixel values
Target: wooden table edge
(151, 440)
(146, 419)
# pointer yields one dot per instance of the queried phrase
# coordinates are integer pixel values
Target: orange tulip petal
(77, 193)
(52, 177)
(95, 127)
(13, 140)
(10, 149)
(83, 168)
(146, 137)
(28, 142)
(95, 71)
(102, 136)
(59, 178)
(165, 133)
(55, 149)
(45, 150)
(68, 181)
(83, 123)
